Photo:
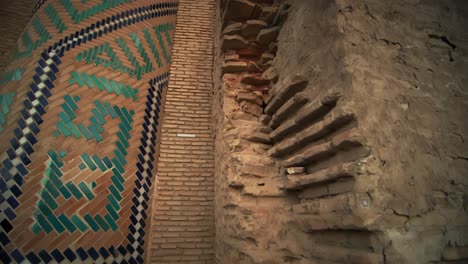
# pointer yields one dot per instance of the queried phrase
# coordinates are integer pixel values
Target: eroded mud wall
(351, 147)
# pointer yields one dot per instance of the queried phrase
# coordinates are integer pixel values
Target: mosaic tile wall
(79, 110)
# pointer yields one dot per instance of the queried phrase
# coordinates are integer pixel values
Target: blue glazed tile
(69, 254)
(25, 159)
(18, 179)
(4, 239)
(45, 256)
(22, 169)
(104, 252)
(27, 147)
(122, 250)
(93, 253)
(32, 139)
(16, 254)
(14, 143)
(4, 256)
(33, 258)
(13, 202)
(131, 239)
(57, 255)
(16, 191)
(82, 254)
(10, 213)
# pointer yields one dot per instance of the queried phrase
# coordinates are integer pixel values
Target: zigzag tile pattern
(77, 167)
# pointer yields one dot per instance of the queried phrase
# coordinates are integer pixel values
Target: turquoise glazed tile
(99, 163)
(65, 192)
(42, 221)
(101, 222)
(91, 223)
(74, 190)
(67, 223)
(111, 222)
(89, 162)
(79, 223)
(112, 212)
(86, 191)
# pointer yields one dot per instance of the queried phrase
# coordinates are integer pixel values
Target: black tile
(69, 254)
(16, 254)
(49, 85)
(10, 213)
(45, 256)
(33, 258)
(22, 169)
(14, 143)
(4, 256)
(82, 253)
(93, 253)
(13, 203)
(4, 239)
(32, 139)
(25, 159)
(21, 123)
(104, 252)
(18, 179)
(57, 255)
(16, 191)
(122, 250)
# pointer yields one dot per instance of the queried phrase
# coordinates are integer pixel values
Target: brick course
(182, 227)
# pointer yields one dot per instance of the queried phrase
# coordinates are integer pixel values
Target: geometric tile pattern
(14, 75)
(78, 16)
(54, 187)
(106, 56)
(29, 44)
(55, 17)
(6, 100)
(64, 177)
(103, 84)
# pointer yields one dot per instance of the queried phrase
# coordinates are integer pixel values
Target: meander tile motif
(79, 111)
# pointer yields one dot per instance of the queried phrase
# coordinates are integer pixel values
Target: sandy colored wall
(362, 154)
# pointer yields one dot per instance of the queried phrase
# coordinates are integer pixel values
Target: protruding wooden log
(329, 174)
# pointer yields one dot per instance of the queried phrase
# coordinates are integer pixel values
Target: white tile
(22, 140)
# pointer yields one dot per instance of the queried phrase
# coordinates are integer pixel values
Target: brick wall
(13, 17)
(182, 227)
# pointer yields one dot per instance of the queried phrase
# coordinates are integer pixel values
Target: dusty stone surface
(233, 29)
(234, 42)
(253, 27)
(379, 130)
(240, 10)
(420, 149)
(234, 66)
(268, 35)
